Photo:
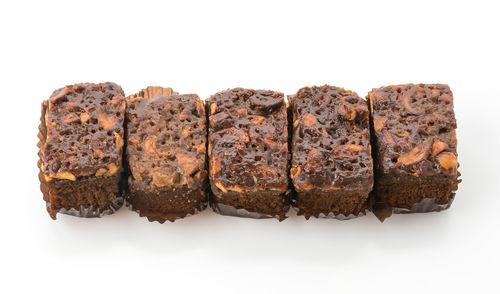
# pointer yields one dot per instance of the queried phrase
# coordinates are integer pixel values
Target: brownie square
(332, 168)
(166, 154)
(80, 157)
(415, 148)
(248, 153)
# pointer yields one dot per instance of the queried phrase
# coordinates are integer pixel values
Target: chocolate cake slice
(166, 154)
(248, 153)
(332, 168)
(415, 148)
(81, 140)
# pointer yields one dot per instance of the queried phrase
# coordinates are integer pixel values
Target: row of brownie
(254, 157)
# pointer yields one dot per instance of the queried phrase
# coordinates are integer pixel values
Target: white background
(207, 46)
